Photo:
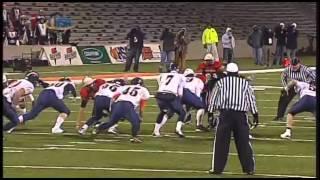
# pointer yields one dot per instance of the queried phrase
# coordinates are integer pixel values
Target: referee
(233, 96)
(296, 71)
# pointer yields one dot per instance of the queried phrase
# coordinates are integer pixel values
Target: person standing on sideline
(228, 44)
(280, 35)
(292, 41)
(267, 45)
(135, 37)
(167, 51)
(181, 42)
(255, 40)
(233, 96)
(210, 41)
(295, 71)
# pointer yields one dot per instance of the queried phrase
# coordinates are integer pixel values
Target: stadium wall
(195, 49)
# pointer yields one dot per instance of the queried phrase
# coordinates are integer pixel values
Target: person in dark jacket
(280, 35)
(167, 51)
(292, 41)
(267, 45)
(135, 37)
(255, 40)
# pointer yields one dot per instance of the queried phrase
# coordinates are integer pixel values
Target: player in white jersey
(13, 94)
(169, 100)
(125, 106)
(192, 97)
(103, 101)
(306, 103)
(52, 96)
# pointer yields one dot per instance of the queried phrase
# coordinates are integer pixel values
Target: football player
(52, 96)
(306, 103)
(125, 106)
(13, 94)
(103, 101)
(168, 98)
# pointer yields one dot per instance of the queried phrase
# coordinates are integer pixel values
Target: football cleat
(286, 135)
(201, 128)
(10, 130)
(112, 131)
(156, 134)
(57, 130)
(135, 140)
(180, 134)
(82, 131)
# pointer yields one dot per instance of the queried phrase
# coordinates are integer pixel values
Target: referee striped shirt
(233, 93)
(304, 74)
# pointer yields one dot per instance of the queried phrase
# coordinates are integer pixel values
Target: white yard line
(154, 151)
(9, 151)
(84, 142)
(59, 145)
(146, 170)
(173, 135)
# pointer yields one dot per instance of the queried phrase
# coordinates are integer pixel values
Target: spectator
(210, 41)
(5, 17)
(181, 48)
(267, 45)
(255, 40)
(66, 36)
(42, 32)
(135, 37)
(15, 16)
(280, 35)
(25, 30)
(167, 51)
(292, 41)
(228, 44)
(12, 36)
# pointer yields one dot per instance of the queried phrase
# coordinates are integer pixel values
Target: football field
(32, 151)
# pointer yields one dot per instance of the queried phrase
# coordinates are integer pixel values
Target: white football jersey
(304, 88)
(109, 89)
(194, 84)
(134, 94)
(59, 88)
(14, 87)
(172, 82)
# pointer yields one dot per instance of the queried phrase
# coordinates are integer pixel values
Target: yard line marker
(106, 140)
(174, 136)
(156, 151)
(82, 142)
(59, 145)
(147, 170)
(9, 151)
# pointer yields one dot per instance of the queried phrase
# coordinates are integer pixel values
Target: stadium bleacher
(108, 22)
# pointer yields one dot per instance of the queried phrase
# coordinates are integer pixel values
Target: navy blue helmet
(121, 82)
(32, 76)
(65, 79)
(173, 67)
(137, 81)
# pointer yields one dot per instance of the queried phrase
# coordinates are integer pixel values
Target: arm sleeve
(284, 77)
(252, 100)
(311, 75)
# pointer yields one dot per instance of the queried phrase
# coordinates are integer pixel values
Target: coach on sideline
(296, 71)
(233, 96)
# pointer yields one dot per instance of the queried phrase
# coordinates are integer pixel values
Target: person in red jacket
(209, 72)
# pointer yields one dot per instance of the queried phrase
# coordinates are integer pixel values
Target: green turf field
(32, 151)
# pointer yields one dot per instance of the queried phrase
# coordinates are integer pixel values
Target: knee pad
(64, 115)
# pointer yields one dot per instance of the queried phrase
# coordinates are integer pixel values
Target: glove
(205, 46)
(255, 121)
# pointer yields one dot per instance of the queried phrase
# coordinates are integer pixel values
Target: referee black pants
(236, 122)
(284, 100)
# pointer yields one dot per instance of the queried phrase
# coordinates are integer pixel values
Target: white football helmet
(188, 71)
(87, 80)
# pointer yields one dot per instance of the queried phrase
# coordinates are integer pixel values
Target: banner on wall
(118, 53)
(60, 55)
(93, 54)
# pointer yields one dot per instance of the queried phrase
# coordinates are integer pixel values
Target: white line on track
(147, 170)
(171, 135)
(153, 151)
(79, 142)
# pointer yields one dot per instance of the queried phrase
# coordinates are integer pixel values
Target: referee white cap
(232, 67)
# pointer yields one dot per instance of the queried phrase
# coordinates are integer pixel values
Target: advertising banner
(118, 53)
(93, 54)
(60, 55)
